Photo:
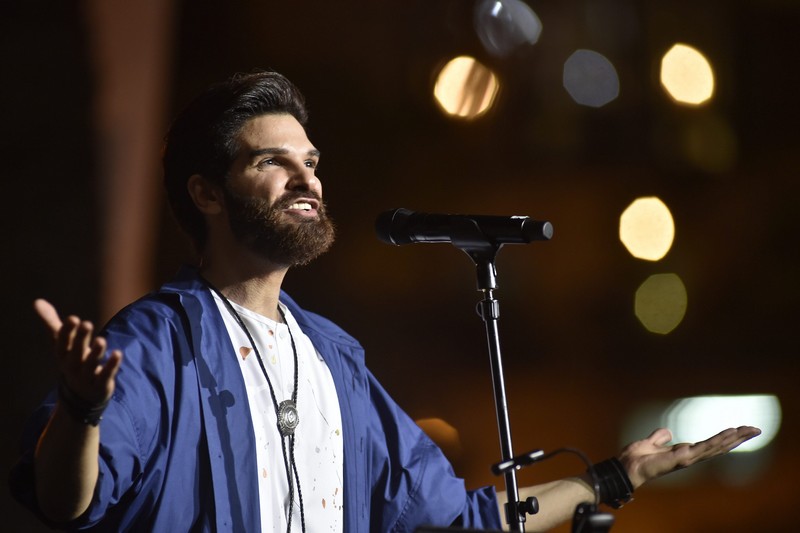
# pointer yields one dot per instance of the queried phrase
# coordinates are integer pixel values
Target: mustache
(291, 197)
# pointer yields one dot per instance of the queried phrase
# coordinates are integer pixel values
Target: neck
(250, 281)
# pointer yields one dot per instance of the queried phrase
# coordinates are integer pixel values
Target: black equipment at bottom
(587, 519)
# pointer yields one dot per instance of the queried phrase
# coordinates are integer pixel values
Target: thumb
(660, 437)
(48, 314)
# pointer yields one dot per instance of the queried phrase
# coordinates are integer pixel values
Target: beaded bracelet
(89, 413)
(615, 486)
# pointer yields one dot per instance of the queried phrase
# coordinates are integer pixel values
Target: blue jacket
(177, 445)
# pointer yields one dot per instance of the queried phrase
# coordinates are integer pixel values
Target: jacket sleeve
(128, 430)
(118, 464)
(413, 483)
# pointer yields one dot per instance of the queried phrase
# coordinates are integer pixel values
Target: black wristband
(88, 413)
(615, 486)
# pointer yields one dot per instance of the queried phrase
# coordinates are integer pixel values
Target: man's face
(272, 194)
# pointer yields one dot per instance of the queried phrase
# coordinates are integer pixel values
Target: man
(233, 409)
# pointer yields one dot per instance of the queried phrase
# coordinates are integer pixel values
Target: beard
(261, 228)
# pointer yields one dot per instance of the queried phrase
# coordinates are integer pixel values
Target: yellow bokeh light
(443, 434)
(465, 88)
(686, 75)
(661, 303)
(646, 228)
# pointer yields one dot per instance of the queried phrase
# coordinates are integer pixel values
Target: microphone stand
(473, 242)
(468, 237)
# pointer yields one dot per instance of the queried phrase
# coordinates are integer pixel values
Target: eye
(311, 163)
(266, 162)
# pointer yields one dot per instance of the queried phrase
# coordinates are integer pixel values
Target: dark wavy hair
(203, 138)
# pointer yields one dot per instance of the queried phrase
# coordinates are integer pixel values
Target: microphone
(401, 226)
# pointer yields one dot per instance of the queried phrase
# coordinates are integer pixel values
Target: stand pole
(489, 310)
(467, 234)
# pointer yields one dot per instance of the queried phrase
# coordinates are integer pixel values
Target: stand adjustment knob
(529, 506)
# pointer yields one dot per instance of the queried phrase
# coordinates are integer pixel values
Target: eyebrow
(279, 151)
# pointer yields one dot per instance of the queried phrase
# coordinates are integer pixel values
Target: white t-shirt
(318, 437)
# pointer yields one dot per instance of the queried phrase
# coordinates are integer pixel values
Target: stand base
(588, 519)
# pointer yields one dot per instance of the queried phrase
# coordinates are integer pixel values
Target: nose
(304, 179)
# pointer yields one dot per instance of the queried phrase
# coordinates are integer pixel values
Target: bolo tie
(285, 411)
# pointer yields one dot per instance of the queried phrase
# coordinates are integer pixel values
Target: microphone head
(537, 230)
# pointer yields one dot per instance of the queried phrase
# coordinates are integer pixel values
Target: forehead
(273, 131)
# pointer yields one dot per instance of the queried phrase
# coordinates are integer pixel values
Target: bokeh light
(465, 88)
(697, 418)
(660, 303)
(687, 75)
(590, 78)
(647, 229)
(504, 25)
(443, 434)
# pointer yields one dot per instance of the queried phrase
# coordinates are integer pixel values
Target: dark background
(578, 363)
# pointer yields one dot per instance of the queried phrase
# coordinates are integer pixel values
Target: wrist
(81, 410)
(615, 488)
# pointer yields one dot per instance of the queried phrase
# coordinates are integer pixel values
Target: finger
(91, 363)
(107, 372)
(66, 337)
(735, 444)
(739, 436)
(73, 358)
(750, 431)
(48, 314)
(96, 352)
(83, 338)
(719, 444)
(660, 437)
(722, 440)
(111, 367)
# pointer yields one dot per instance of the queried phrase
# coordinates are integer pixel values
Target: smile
(305, 207)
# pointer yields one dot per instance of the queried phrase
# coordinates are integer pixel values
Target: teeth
(305, 206)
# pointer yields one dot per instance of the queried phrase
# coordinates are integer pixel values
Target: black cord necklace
(286, 411)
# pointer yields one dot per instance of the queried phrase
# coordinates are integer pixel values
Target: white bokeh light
(590, 78)
(694, 419)
(504, 25)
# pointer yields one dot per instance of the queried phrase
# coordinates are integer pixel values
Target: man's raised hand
(652, 457)
(79, 357)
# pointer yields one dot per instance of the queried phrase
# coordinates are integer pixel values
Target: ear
(207, 196)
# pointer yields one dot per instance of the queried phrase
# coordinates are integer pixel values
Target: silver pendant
(287, 417)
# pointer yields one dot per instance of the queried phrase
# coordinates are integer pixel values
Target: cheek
(269, 189)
